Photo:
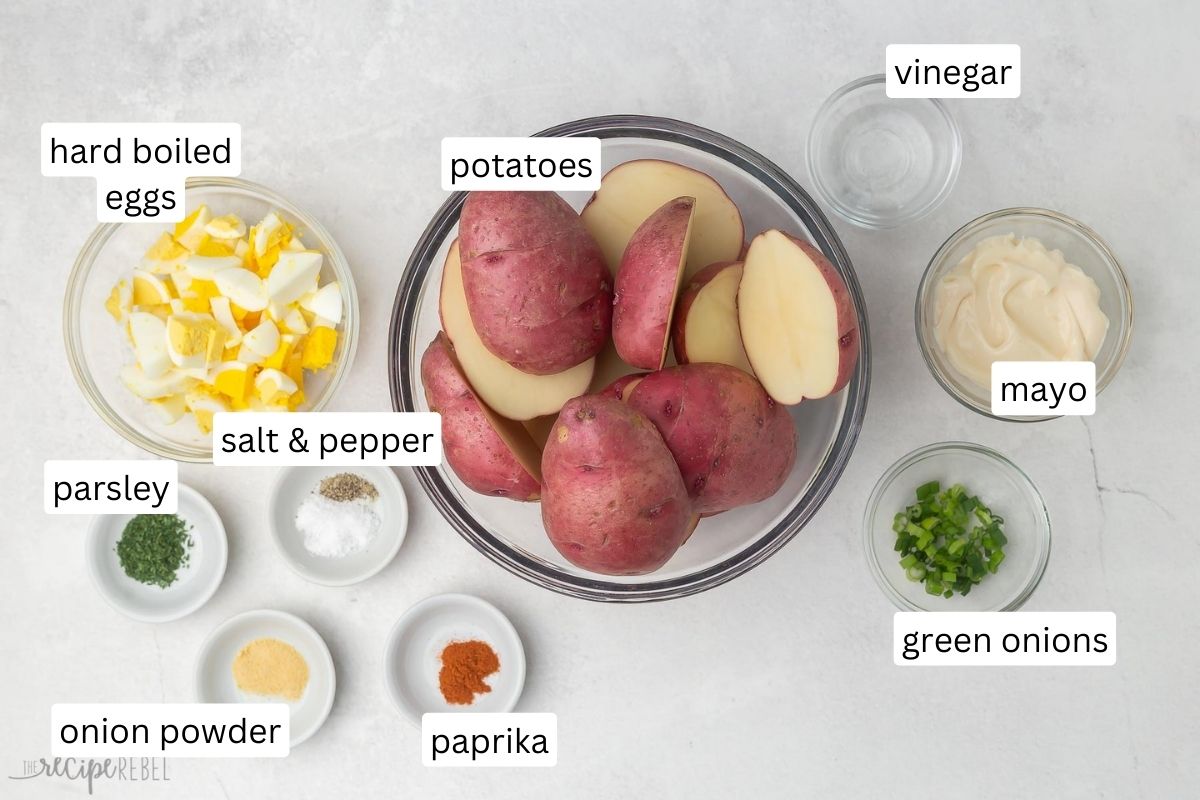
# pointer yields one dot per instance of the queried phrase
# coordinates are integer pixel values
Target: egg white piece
(326, 302)
(294, 322)
(223, 314)
(293, 276)
(206, 268)
(169, 383)
(262, 340)
(269, 225)
(242, 287)
(149, 336)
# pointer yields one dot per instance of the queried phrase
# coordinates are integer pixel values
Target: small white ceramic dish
(214, 666)
(196, 581)
(412, 660)
(294, 484)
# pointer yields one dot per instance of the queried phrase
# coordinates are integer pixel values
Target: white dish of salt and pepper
(338, 526)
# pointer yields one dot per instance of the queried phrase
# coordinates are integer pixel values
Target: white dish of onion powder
(335, 525)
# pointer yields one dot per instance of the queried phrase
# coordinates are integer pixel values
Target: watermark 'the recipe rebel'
(95, 770)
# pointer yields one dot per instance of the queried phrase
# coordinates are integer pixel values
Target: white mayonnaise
(1012, 299)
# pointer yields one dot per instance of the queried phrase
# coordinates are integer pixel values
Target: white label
(1038, 388)
(140, 168)
(953, 70)
(1004, 639)
(111, 487)
(331, 438)
(170, 730)
(489, 740)
(520, 163)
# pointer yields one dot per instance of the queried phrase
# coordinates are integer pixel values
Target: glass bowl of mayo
(1021, 284)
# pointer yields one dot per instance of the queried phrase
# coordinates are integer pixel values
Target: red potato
(613, 501)
(706, 328)
(630, 192)
(733, 444)
(490, 454)
(622, 386)
(648, 281)
(537, 287)
(797, 320)
(504, 388)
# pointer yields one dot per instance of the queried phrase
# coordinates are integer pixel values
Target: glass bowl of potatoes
(637, 518)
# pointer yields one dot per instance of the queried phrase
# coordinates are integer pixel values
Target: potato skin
(619, 387)
(733, 444)
(537, 287)
(647, 282)
(848, 344)
(473, 448)
(613, 501)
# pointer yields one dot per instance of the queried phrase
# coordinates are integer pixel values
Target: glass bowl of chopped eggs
(1021, 284)
(248, 304)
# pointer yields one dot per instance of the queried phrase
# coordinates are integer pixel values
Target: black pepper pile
(346, 487)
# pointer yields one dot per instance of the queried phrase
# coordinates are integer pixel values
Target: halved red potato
(796, 318)
(490, 454)
(536, 284)
(613, 500)
(630, 193)
(648, 281)
(706, 329)
(505, 389)
(733, 444)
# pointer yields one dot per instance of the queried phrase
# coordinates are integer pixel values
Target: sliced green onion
(948, 540)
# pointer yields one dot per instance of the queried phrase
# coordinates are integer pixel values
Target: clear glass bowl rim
(925, 291)
(904, 463)
(403, 386)
(903, 218)
(73, 302)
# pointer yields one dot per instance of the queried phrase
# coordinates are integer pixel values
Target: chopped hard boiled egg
(229, 226)
(224, 318)
(222, 312)
(194, 341)
(325, 302)
(166, 255)
(294, 275)
(148, 334)
(190, 232)
(204, 403)
(149, 289)
(169, 383)
(274, 387)
(120, 301)
(263, 340)
(234, 379)
(207, 267)
(242, 287)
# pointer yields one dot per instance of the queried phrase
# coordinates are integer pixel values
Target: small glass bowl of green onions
(956, 526)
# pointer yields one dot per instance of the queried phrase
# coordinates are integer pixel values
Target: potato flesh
(788, 319)
(711, 330)
(632, 191)
(510, 392)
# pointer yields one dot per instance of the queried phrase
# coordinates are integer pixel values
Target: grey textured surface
(781, 683)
